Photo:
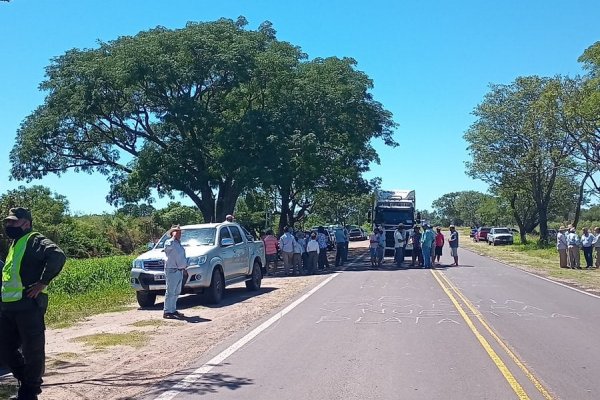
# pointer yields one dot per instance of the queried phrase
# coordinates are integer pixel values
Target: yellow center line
(513, 357)
(516, 387)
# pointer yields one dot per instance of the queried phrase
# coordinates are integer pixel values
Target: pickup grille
(154, 265)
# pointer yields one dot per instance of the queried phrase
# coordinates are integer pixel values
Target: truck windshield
(393, 217)
(193, 237)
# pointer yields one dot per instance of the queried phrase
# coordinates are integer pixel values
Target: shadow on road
(231, 296)
(145, 380)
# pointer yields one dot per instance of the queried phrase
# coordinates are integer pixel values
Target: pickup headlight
(196, 260)
(139, 264)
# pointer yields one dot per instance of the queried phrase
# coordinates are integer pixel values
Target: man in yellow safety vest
(32, 262)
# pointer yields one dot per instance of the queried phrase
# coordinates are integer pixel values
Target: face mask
(13, 232)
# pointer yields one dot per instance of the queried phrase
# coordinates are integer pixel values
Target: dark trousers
(417, 254)
(323, 261)
(589, 257)
(22, 344)
(312, 259)
(399, 256)
(340, 253)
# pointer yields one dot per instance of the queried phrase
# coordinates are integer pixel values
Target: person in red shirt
(439, 244)
(271, 244)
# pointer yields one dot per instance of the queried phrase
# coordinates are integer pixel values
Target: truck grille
(154, 265)
(389, 239)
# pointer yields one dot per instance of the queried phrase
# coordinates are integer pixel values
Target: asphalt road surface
(482, 330)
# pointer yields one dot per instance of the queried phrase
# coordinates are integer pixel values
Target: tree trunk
(543, 214)
(285, 210)
(580, 199)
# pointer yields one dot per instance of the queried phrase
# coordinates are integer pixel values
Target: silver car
(218, 255)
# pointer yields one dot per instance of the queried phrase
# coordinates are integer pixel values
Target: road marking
(516, 387)
(217, 360)
(512, 356)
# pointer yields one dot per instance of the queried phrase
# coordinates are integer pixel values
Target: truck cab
(391, 208)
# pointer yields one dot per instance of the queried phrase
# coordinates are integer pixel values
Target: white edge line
(218, 359)
(536, 275)
(562, 284)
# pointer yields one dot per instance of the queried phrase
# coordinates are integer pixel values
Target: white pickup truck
(218, 255)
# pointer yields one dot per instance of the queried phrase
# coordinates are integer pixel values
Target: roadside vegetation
(88, 287)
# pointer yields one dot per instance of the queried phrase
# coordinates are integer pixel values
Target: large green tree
(517, 146)
(171, 110)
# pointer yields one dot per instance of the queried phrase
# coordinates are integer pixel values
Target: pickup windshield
(501, 230)
(193, 237)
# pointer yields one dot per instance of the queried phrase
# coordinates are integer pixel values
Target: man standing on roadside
(597, 245)
(453, 243)
(322, 240)
(573, 249)
(561, 246)
(427, 241)
(271, 244)
(286, 244)
(400, 238)
(340, 245)
(587, 244)
(32, 262)
(174, 266)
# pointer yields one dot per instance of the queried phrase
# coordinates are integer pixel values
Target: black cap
(19, 213)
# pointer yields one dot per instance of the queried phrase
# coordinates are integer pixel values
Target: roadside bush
(83, 276)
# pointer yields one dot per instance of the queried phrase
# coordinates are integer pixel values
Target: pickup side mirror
(226, 242)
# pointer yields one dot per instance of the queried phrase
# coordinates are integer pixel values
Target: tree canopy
(210, 111)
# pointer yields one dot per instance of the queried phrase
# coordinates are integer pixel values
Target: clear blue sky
(431, 62)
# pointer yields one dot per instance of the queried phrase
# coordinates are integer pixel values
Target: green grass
(542, 260)
(88, 287)
(150, 322)
(103, 340)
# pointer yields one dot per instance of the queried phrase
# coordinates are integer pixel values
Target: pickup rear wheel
(145, 299)
(214, 293)
(254, 282)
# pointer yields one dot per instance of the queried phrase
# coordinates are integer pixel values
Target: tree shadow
(146, 381)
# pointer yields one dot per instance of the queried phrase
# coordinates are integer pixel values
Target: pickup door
(240, 249)
(228, 254)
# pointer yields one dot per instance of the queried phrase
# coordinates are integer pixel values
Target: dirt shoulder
(122, 355)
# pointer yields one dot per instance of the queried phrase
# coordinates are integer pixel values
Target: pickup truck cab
(217, 255)
(500, 236)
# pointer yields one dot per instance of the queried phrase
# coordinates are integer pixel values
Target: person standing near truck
(174, 266)
(439, 244)
(271, 244)
(400, 240)
(453, 243)
(32, 262)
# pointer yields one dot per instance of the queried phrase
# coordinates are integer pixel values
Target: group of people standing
(569, 244)
(426, 247)
(303, 252)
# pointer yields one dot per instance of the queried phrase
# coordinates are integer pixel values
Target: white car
(218, 255)
(500, 236)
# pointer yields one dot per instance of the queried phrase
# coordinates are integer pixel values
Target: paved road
(479, 331)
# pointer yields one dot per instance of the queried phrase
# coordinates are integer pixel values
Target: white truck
(218, 255)
(391, 208)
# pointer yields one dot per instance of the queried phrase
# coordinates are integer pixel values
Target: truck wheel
(256, 277)
(214, 292)
(145, 299)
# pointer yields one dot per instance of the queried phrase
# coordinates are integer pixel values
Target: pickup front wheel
(145, 299)
(214, 293)
(256, 278)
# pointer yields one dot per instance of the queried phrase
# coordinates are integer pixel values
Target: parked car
(330, 237)
(500, 236)
(357, 234)
(218, 255)
(481, 234)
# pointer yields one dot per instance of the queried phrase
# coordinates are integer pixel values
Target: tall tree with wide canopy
(517, 146)
(171, 110)
(210, 110)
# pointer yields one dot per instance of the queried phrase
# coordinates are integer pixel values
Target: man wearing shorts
(453, 242)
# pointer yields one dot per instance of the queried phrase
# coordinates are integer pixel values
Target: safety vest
(12, 287)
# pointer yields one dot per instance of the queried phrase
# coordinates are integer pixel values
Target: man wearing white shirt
(312, 249)
(174, 266)
(562, 246)
(587, 241)
(573, 249)
(286, 244)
